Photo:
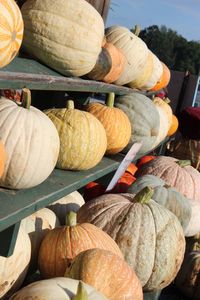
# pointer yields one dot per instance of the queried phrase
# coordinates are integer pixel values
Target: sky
(182, 16)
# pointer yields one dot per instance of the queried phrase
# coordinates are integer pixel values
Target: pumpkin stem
(110, 100)
(137, 30)
(71, 219)
(81, 293)
(145, 195)
(184, 163)
(26, 98)
(167, 100)
(70, 104)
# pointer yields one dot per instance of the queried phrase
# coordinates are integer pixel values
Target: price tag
(124, 165)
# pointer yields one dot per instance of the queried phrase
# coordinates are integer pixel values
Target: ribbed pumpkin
(194, 225)
(11, 31)
(37, 225)
(13, 269)
(133, 48)
(58, 288)
(82, 138)
(31, 142)
(62, 244)
(176, 173)
(174, 126)
(69, 40)
(106, 272)
(110, 64)
(3, 158)
(163, 80)
(71, 202)
(149, 235)
(115, 122)
(144, 118)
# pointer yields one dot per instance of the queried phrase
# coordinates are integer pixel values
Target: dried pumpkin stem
(71, 219)
(184, 163)
(167, 100)
(81, 293)
(110, 100)
(137, 30)
(26, 98)
(70, 104)
(145, 195)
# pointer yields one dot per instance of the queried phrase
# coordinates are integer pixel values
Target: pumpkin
(176, 173)
(68, 41)
(174, 126)
(194, 225)
(62, 244)
(3, 158)
(163, 80)
(166, 196)
(110, 64)
(37, 225)
(11, 31)
(71, 202)
(133, 48)
(58, 288)
(13, 269)
(106, 272)
(115, 122)
(31, 142)
(164, 105)
(144, 159)
(144, 118)
(189, 123)
(187, 279)
(83, 139)
(149, 235)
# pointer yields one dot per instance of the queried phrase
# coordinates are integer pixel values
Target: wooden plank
(9, 237)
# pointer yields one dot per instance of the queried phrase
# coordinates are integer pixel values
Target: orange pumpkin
(164, 79)
(62, 244)
(2, 158)
(143, 160)
(174, 126)
(11, 31)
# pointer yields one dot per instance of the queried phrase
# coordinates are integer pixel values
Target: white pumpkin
(164, 125)
(31, 141)
(155, 75)
(194, 225)
(71, 202)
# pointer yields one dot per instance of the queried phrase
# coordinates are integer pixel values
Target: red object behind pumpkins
(189, 123)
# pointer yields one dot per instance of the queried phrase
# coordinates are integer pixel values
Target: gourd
(13, 269)
(174, 126)
(115, 122)
(69, 40)
(71, 202)
(11, 31)
(176, 173)
(149, 235)
(106, 272)
(31, 142)
(58, 288)
(83, 139)
(163, 80)
(144, 118)
(62, 244)
(3, 158)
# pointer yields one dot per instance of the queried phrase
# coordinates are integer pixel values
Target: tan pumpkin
(106, 272)
(11, 31)
(13, 269)
(163, 80)
(71, 202)
(37, 225)
(176, 173)
(133, 48)
(3, 157)
(31, 142)
(149, 235)
(62, 244)
(68, 41)
(58, 288)
(82, 137)
(115, 122)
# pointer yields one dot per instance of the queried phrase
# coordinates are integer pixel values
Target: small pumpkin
(149, 235)
(31, 142)
(106, 272)
(115, 122)
(58, 288)
(163, 80)
(144, 159)
(61, 245)
(176, 173)
(164, 105)
(3, 158)
(110, 64)
(11, 31)
(83, 139)
(174, 126)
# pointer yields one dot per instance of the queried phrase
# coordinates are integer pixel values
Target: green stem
(110, 100)
(26, 98)
(145, 195)
(184, 163)
(81, 293)
(71, 219)
(166, 100)
(137, 30)
(70, 104)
